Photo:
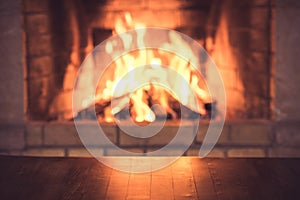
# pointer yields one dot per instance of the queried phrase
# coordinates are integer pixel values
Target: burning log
(158, 110)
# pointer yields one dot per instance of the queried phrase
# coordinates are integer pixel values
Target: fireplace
(61, 34)
(239, 36)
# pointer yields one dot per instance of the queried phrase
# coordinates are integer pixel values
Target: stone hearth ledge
(239, 138)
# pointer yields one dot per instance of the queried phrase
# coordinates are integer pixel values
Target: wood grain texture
(187, 178)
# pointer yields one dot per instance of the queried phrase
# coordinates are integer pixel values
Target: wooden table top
(187, 178)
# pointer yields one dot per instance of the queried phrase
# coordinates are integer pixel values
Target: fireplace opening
(60, 34)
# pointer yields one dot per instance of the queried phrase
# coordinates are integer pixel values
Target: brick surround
(276, 135)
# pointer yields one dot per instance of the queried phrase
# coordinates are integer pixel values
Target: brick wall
(11, 63)
(39, 56)
(239, 41)
(49, 42)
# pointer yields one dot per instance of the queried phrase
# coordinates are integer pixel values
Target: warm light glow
(156, 60)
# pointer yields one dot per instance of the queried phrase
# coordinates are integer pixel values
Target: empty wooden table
(187, 178)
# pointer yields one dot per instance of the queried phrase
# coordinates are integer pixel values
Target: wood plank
(202, 177)
(276, 179)
(53, 178)
(85, 180)
(226, 179)
(254, 179)
(139, 187)
(183, 181)
(161, 184)
(118, 185)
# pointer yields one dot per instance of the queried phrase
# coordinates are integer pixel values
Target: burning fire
(142, 102)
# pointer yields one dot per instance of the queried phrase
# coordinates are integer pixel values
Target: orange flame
(155, 58)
